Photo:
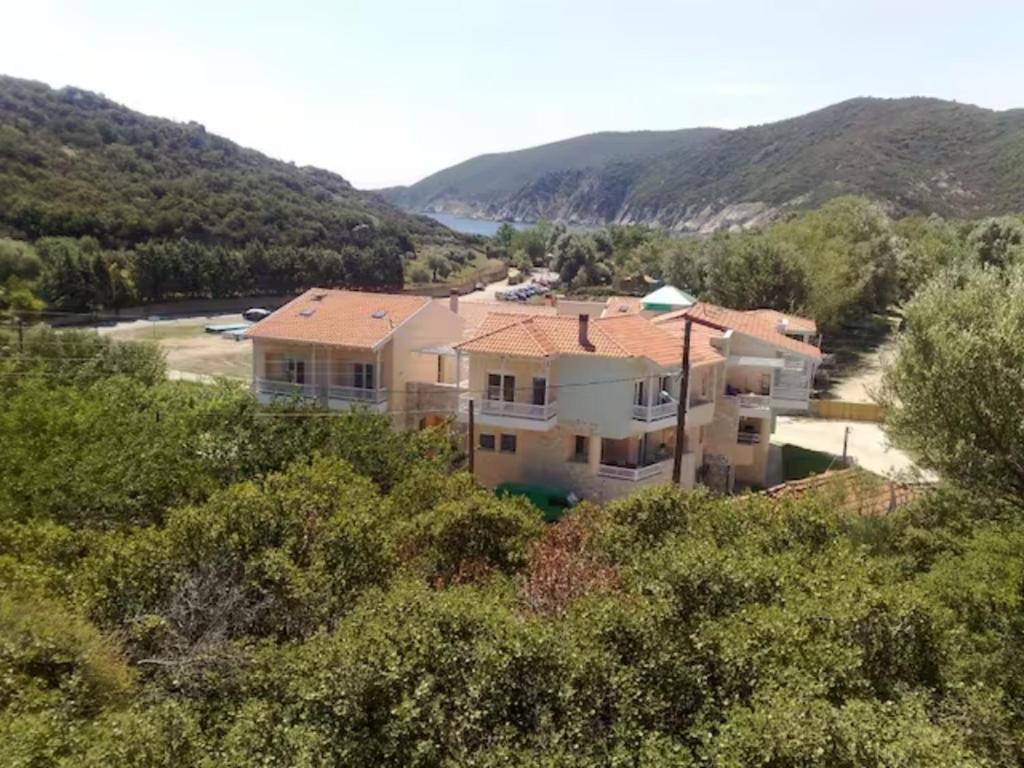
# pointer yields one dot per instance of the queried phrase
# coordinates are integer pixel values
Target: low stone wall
(847, 411)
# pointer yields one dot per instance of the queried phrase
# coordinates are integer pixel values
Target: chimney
(782, 326)
(453, 301)
(584, 331)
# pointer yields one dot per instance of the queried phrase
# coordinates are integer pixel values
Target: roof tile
(340, 318)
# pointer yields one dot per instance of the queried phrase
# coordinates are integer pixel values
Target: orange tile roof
(475, 312)
(701, 348)
(545, 336)
(340, 318)
(859, 492)
(793, 322)
(741, 322)
(622, 305)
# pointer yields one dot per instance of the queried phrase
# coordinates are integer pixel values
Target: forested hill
(917, 155)
(158, 209)
(496, 177)
(75, 163)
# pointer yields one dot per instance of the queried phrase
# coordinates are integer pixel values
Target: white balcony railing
(519, 410)
(655, 412)
(284, 388)
(633, 474)
(754, 401)
(357, 394)
(748, 438)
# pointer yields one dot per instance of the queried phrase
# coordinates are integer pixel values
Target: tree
(578, 261)
(953, 389)
(418, 273)
(998, 242)
(757, 272)
(438, 265)
(505, 235)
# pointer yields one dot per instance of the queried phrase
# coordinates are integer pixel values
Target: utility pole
(684, 397)
(472, 439)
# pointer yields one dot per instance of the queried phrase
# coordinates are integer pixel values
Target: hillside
(917, 155)
(75, 163)
(496, 176)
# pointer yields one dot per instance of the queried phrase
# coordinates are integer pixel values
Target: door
(640, 392)
(297, 371)
(540, 386)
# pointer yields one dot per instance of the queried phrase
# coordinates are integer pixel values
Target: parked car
(255, 314)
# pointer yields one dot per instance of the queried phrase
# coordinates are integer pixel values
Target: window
(486, 442)
(665, 385)
(501, 387)
(296, 371)
(362, 374)
(508, 443)
(579, 448)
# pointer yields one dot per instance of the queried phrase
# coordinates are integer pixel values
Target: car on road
(255, 314)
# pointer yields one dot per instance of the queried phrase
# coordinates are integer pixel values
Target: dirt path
(862, 382)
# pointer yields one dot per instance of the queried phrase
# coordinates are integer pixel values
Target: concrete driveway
(867, 442)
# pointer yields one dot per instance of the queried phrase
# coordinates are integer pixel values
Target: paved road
(867, 442)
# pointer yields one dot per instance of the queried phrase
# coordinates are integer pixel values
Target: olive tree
(954, 390)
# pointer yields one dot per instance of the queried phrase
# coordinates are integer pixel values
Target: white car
(255, 314)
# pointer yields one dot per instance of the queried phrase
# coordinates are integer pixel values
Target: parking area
(191, 352)
(866, 443)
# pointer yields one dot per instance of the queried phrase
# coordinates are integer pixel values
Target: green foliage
(123, 208)
(49, 655)
(234, 586)
(461, 538)
(952, 389)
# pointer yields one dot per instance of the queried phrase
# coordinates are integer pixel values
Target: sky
(387, 92)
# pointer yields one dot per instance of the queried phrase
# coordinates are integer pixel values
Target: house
(766, 373)
(350, 348)
(800, 328)
(585, 405)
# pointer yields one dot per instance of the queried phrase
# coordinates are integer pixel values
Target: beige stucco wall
(546, 458)
(433, 326)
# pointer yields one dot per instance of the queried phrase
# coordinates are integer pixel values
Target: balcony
(748, 438)
(341, 398)
(270, 389)
(335, 397)
(634, 474)
(754, 406)
(657, 412)
(511, 414)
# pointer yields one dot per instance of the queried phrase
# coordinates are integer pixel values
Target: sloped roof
(340, 318)
(670, 296)
(857, 491)
(544, 336)
(622, 305)
(793, 322)
(475, 312)
(701, 348)
(746, 323)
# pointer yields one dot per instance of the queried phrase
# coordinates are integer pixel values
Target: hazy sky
(385, 92)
